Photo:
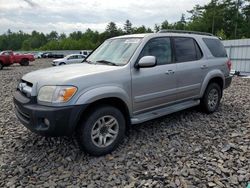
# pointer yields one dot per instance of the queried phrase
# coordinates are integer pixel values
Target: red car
(8, 58)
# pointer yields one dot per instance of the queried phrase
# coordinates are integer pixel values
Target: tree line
(228, 19)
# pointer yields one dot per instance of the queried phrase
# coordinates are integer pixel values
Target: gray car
(127, 80)
(69, 59)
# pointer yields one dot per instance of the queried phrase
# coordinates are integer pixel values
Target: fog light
(46, 122)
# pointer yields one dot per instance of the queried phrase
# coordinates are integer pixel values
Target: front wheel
(101, 131)
(211, 98)
(1, 66)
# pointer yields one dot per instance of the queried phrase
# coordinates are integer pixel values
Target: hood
(65, 75)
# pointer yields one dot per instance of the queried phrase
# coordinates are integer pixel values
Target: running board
(163, 111)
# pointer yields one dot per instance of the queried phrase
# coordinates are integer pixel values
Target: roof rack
(184, 31)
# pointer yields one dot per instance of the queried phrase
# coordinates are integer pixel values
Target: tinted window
(160, 48)
(198, 51)
(73, 57)
(216, 47)
(186, 49)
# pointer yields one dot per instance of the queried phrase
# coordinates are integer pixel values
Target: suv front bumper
(46, 120)
(228, 81)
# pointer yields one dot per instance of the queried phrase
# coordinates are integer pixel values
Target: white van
(85, 52)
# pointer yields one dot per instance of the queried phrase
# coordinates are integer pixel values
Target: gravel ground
(185, 149)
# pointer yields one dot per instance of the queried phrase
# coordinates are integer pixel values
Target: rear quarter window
(216, 47)
(186, 49)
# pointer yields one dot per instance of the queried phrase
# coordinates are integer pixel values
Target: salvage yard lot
(185, 149)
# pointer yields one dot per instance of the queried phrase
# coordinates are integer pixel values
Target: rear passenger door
(189, 70)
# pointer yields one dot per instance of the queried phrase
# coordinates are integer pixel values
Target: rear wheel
(1, 66)
(211, 98)
(101, 131)
(24, 62)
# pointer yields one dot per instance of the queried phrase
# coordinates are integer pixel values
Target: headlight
(56, 94)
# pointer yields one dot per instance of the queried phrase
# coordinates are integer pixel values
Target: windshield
(66, 57)
(115, 51)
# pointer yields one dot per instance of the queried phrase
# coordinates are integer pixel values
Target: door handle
(169, 72)
(204, 66)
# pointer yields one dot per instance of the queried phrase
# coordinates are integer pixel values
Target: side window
(198, 51)
(186, 49)
(160, 48)
(6, 53)
(216, 47)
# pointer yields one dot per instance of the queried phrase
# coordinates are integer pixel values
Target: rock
(131, 185)
(177, 182)
(241, 171)
(219, 183)
(241, 178)
(184, 172)
(226, 148)
(234, 180)
(211, 184)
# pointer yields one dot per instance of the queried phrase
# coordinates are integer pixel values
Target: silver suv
(127, 80)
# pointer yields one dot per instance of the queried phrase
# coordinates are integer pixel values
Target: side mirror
(146, 62)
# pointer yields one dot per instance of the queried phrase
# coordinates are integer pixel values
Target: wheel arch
(109, 101)
(215, 77)
(24, 59)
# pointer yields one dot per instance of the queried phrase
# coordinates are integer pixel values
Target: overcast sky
(73, 15)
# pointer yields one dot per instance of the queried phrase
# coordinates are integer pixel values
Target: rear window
(216, 47)
(186, 49)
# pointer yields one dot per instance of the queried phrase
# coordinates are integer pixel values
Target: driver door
(154, 87)
(72, 59)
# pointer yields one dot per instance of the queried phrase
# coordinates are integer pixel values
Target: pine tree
(128, 27)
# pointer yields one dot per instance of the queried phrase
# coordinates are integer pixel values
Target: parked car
(8, 58)
(69, 59)
(38, 55)
(52, 55)
(55, 55)
(127, 80)
(45, 54)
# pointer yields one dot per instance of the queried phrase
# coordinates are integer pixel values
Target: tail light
(229, 65)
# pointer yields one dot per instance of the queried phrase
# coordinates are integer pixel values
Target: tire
(211, 98)
(24, 62)
(62, 63)
(1, 66)
(96, 137)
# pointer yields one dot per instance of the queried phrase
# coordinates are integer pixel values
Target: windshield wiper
(87, 61)
(107, 62)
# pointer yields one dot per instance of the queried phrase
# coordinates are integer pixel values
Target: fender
(103, 92)
(210, 75)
